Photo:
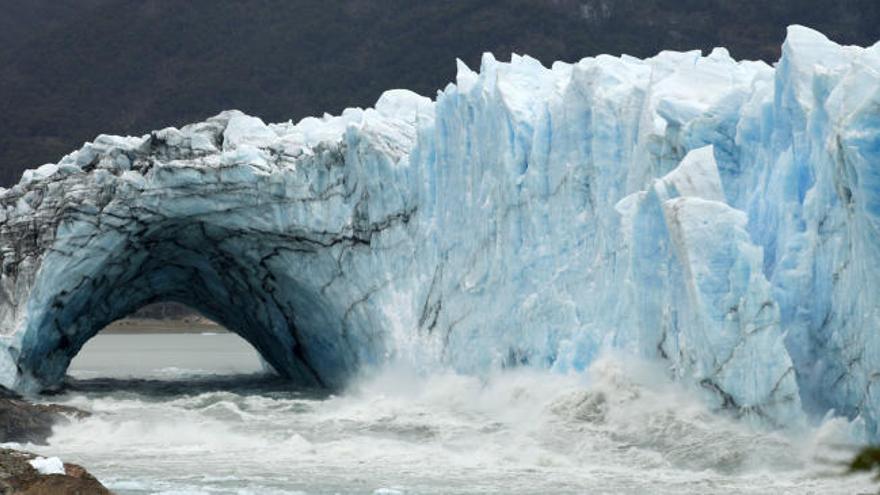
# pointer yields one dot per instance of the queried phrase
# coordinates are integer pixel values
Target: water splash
(622, 427)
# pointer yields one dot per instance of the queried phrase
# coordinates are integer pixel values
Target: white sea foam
(620, 428)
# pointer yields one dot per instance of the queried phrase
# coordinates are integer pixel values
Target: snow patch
(48, 465)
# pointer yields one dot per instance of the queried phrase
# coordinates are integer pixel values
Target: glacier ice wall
(720, 216)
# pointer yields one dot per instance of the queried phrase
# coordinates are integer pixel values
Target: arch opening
(165, 342)
(243, 280)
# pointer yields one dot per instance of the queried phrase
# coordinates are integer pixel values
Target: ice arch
(198, 264)
(264, 243)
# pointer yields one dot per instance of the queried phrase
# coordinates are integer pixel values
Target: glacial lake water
(194, 414)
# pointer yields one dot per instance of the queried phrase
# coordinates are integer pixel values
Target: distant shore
(153, 326)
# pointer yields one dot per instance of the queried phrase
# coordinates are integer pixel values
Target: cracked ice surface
(720, 216)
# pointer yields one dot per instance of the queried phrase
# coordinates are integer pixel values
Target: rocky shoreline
(24, 473)
(194, 324)
(24, 422)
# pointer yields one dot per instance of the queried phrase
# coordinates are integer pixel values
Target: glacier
(718, 216)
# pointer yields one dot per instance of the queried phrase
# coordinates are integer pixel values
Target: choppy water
(191, 414)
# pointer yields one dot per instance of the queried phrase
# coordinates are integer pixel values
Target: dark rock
(5, 393)
(23, 422)
(18, 477)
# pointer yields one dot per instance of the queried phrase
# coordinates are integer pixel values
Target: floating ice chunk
(388, 491)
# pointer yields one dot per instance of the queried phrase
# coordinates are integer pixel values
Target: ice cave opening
(224, 274)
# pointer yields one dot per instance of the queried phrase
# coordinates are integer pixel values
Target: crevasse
(720, 216)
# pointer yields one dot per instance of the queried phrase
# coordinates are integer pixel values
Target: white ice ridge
(720, 216)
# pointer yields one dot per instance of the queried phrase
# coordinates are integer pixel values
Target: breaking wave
(620, 428)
